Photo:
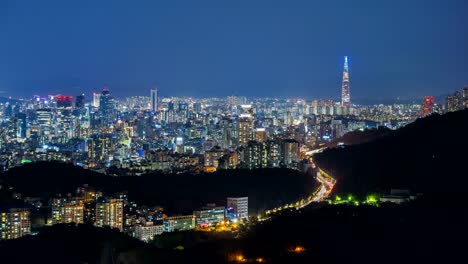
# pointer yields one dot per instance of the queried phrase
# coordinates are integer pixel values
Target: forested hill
(177, 193)
(428, 155)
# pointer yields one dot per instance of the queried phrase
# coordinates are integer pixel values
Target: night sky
(406, 48)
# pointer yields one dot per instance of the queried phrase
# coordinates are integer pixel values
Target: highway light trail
(322, 193)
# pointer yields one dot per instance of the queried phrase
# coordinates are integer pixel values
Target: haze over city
(260, 48)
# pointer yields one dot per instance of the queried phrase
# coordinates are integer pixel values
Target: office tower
(64, 122)
(22, 125)
(465, 96)
(197, 107)
(80, 101)
(290, 150)
(154, 100)
(107, 111)
(345, 87)
(64, 101)
(14, 223)
(44, 119)
(245, 129)
(96, 99)
(239, 206)
(109, 212)
(427, 106)
(182, 111)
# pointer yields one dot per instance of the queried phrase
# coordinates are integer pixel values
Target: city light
(297, 249)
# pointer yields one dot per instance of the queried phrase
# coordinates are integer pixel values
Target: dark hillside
(177, 193)
(428, 155)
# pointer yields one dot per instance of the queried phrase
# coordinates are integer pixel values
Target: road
(323, 192)
(326, 186)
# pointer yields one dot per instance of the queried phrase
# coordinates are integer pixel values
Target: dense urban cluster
(140, 134)
(88, 206)
(186, 134)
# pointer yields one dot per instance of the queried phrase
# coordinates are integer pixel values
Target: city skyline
(265, 131)
(221, 49)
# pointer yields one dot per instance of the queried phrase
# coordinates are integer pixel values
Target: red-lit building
(427, 107)
(64, 101)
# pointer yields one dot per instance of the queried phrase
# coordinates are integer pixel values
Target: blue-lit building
(107, 111)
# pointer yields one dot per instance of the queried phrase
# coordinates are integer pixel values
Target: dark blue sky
(288, 48)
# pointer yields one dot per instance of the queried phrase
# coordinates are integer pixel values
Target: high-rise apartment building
(261, 134)
(245, 128)
(14, 223)
(255, 155)
(64, 211)
(345, 87)
(262, 154)
(457, 101)
(290, 151)
(465, 96)
(109, 212)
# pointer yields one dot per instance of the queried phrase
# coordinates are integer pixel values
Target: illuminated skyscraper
(64, 101)
(345, 89)
(427, 106)
(22, 125)
(154, 100)
(80, 101)
(290, 151)
(245, 131)
(96, 99)
(465, 96)
(44, 120)
(107, 112)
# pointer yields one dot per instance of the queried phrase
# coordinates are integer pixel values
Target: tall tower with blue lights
(345, 89)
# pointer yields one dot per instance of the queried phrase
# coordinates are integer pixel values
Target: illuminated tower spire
(345, 91)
